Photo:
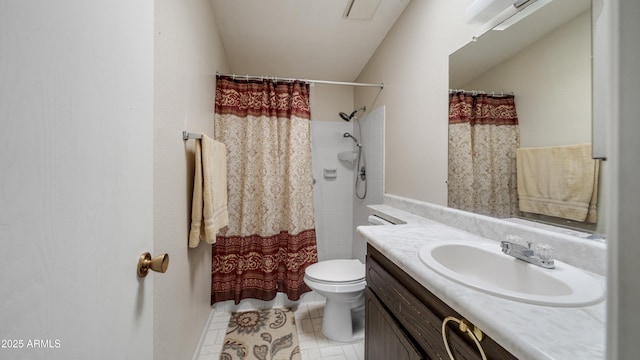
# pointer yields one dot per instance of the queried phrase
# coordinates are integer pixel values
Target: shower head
(346, 117)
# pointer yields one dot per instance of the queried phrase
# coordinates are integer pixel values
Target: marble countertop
(527, 331)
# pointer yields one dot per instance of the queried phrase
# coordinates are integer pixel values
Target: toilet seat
(337, 276)
(335, 282)
(339, 271)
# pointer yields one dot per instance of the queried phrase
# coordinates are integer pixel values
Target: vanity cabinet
(404, 320)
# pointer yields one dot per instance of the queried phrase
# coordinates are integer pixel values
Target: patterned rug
(263, 335)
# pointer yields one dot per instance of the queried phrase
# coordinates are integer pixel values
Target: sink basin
(484, 267)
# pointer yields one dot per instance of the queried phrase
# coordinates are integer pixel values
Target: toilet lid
(339, 271)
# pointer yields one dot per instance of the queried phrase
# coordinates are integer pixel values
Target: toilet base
(342, 322)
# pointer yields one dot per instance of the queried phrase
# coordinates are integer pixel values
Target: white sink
(484, 267)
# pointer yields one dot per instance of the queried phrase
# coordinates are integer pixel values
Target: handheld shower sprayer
(360, 165)
(352, 138)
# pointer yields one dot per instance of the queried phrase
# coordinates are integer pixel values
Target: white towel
(209, 205)
(560, 181)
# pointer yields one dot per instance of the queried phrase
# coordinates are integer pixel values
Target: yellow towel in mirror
(560, 181)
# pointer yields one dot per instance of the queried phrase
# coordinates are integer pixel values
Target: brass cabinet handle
(159, 263)
(466, 327)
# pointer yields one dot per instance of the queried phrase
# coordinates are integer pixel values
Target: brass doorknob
(159, 263)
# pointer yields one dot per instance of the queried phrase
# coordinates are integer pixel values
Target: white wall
(329, 100)
(188, 52)
(413, 62)
(76, 153)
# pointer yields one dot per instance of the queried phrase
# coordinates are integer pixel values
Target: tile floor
(313, 344)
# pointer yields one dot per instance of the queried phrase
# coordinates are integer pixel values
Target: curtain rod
(276, 79)
(482, 92)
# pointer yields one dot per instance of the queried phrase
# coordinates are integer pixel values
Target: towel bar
(187, 135)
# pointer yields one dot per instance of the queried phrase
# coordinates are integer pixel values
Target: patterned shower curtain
(271, 236)
(483, 138)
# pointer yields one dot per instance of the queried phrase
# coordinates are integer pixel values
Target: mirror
(544, 59)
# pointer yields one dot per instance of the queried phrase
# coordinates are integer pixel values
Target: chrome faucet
(539, 254)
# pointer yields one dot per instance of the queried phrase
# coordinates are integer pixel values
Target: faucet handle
(544, 251)
(515, 239)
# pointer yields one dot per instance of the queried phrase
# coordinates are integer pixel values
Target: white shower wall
(337, 210)
(372, 127)
(332, 197)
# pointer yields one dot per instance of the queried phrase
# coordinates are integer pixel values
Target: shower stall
(341, 198)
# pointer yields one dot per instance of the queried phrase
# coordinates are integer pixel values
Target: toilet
(342, 283)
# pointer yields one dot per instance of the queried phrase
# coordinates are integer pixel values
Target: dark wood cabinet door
(384, 339)
(416, 314)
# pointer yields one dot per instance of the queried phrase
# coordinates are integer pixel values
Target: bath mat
(261, 335)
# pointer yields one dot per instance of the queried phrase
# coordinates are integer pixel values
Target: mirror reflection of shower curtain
(271, 236)
(483, 138)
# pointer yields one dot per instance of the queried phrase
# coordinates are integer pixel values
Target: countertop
(527, 331)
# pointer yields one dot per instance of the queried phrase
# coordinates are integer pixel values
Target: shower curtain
(483, 138)
(271, 236)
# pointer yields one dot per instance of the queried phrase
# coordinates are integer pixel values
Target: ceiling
(306, 39)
